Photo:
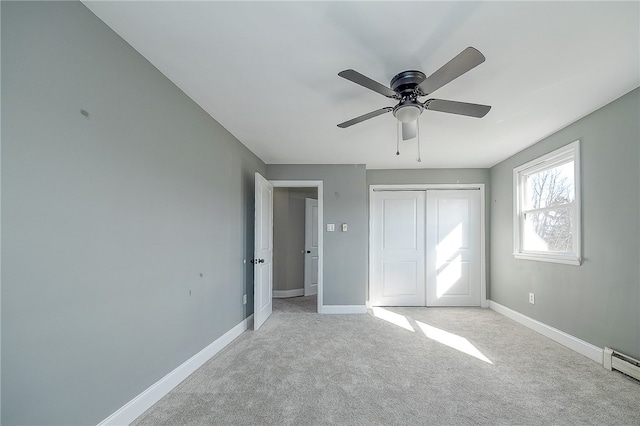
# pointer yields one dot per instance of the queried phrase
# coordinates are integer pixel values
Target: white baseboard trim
(584, 348)
(343, 309)
(278, 294)
(141, 403)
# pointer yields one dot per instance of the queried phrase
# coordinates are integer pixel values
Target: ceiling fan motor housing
(405, 82)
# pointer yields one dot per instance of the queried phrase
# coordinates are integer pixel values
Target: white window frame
(570, 152)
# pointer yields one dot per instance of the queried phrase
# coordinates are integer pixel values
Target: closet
(425, 247)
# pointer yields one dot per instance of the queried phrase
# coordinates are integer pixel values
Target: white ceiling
(267, 71)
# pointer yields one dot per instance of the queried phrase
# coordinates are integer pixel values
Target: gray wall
(108, 221)
(345, 201)
(288, 236)
(599, 301)
(396, 177)
(441, 176)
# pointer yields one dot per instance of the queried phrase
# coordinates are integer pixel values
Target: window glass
(548, 231)
(550, 187)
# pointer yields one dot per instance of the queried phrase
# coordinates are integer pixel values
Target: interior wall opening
(296, 255)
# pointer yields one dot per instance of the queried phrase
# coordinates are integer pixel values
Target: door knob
(308, 251)
(260, 260)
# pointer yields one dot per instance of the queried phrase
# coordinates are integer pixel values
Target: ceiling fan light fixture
(408, 113)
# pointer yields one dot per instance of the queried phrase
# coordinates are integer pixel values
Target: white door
(311, 247)
(397, 252)
(263, 252)
(453, 248)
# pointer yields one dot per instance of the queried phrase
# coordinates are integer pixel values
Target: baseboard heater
(613, 360)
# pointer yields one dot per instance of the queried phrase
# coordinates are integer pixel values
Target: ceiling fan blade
(364, 117)
(409, 130)
(455, 107)
(365, 81)
(466, 60)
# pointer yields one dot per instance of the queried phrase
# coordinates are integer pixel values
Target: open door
(311, 247)
(263, 252)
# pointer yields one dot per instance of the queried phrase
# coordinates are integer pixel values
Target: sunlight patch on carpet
(452, 340)
(392, 318)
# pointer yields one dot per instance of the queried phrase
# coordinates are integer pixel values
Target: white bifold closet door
(425, 248)
(453, 248)
(397, 248)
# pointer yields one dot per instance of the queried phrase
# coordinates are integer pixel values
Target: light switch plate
(344, 227)
(331, 227)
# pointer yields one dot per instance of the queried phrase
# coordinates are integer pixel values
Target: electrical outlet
(244, 299)
(532, 298)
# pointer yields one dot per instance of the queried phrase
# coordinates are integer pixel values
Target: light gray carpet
(302, 368)
(307, 304)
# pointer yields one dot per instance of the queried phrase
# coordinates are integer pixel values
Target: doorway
(298, 240)
(427, 245)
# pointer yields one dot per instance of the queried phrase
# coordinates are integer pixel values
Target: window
(547, 207)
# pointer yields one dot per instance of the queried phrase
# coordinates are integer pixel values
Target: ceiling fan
(408, 86)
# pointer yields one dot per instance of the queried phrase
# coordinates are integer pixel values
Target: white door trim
(310, 184)
(484, 302)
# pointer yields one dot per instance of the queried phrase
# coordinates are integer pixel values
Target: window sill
(567, 260)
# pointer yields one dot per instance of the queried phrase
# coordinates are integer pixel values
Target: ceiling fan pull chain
(398, 130)
(418, 137)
